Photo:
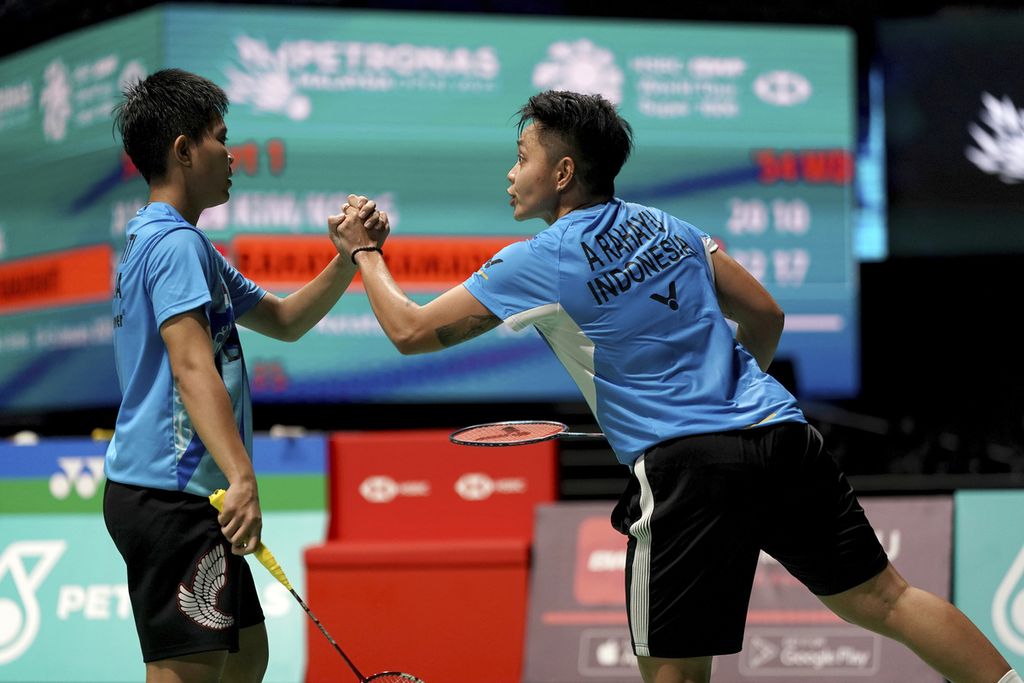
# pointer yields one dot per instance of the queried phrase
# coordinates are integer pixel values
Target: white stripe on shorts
(640, 582)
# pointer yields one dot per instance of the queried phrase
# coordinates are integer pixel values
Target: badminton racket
(516, 433)
(267, 559)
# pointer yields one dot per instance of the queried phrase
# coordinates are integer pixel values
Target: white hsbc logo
(383, 489)
(782, 88)
(478, 486)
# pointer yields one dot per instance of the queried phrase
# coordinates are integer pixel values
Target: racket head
(393, 677)
(509, 433)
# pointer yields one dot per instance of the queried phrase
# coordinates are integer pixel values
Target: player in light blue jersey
(184, 427)
(635, 303)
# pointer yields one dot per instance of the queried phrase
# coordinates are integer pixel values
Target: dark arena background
(864, 160)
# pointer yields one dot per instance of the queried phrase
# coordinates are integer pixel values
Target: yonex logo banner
(63, 475)
(56, 475)
(577, 628)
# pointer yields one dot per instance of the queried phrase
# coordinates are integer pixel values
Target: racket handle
(268, 560)
(262, 552)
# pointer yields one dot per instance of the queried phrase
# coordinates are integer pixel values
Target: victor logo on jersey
(669, 299)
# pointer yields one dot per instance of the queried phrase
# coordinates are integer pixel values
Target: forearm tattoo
(466, 329)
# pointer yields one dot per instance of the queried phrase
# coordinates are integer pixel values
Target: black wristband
(356, 251)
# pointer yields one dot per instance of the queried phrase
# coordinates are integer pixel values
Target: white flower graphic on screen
(132, 73)
(1000, 140)
(263, 81)
(581, 67)
(55, 101)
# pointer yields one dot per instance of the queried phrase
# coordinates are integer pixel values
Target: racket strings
(510, 433)
(393, 677)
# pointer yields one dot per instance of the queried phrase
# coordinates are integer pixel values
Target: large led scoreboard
(746, 132)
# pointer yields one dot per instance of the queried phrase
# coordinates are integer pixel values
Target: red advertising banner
(418, 263)
(418, 486)
(577, 630)
(64, 278)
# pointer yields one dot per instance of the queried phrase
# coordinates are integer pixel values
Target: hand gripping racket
(267, 559)
(516, 433)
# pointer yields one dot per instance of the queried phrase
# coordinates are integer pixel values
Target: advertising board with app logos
(577, 630)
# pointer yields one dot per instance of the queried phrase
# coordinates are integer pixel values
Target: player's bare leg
(938, 632)
(205, 667)
(250, 662)
(663, 670)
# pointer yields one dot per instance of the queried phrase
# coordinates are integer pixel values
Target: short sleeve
(178, 274)
(518, 281)
(244, 293)
(710, 247)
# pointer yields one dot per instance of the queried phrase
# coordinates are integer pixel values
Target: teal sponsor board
(56, 98)
(65, 614)
(988, 568)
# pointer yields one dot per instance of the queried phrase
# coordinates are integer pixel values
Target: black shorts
(189, 593)
(698, 510)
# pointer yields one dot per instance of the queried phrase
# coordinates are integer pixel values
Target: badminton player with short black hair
(634, 302)
(184, 427)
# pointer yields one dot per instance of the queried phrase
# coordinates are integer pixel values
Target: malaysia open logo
(582, 67)
(1008, 606)
(25, 564)
(55, 101)
(999, 139)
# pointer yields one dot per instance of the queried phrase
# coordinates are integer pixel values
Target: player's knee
(249, 664)
(872, 603)
(661, 670)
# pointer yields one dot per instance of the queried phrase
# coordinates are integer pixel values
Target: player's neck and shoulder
(156, 221)
(164, 213)
(609, 211)
(587, 212)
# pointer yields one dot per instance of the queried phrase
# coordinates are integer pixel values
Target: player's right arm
(190, 350)
(452, 318)
(744, 300)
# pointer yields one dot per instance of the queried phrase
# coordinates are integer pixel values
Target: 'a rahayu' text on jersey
(170, 267)
(625, 296)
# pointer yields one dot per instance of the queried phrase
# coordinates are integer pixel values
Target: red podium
(426, 564)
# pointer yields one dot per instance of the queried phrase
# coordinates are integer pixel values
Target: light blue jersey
(625, 296)
(170, 267)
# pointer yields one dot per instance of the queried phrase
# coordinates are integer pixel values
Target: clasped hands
(358, 224)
